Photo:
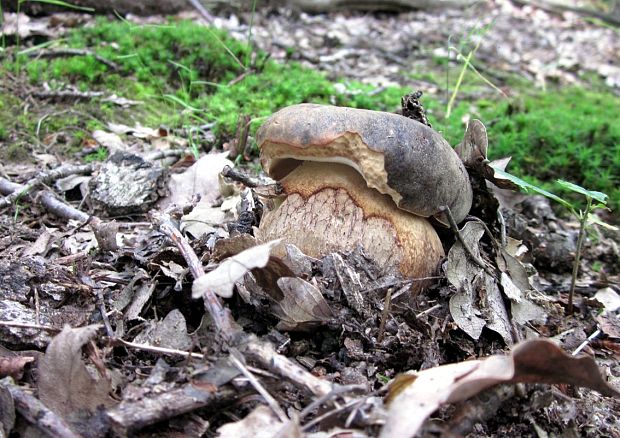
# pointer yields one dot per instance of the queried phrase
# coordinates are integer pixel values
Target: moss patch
(187, 74)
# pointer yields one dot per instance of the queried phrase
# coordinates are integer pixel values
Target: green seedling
(594, 201)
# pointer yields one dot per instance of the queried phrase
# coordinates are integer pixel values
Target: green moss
(571, 134)
(188, 74)
(99, 155)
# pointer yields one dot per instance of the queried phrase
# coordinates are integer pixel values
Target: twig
(468, 251)
(103, 312)
(222, 318)
(202, 11)
(43, 419)
(158, 155)
(586, 342)
(384, 315)
(332, 394)
(45, 178)
(273, 404)
(265, 354)
(64, 210)
(133, 415)
(153, 349)
(244, 179)
(334, 411)
(30, 326)
(429, 310)
(57, 53)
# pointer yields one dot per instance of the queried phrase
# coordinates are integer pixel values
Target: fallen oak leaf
(478, 302)
(223, 278)
(413, 397)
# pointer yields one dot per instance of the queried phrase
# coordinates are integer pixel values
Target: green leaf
(599, 196)
(593, 219)
(531, 188)
(180, 102)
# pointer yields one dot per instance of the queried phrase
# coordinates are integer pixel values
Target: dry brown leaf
(473, 149)
(478, 301)
(223, 278)
(65, 384)
(303, 306)
(171, 332)
(201, 179)
(203, 219)
(413, 397)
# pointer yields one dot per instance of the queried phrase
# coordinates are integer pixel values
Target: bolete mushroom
(358, 177)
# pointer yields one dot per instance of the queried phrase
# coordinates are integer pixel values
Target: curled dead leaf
(413, 397)
(223, 278)
(65, 384)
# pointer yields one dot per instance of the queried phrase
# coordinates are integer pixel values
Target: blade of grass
(60, 3)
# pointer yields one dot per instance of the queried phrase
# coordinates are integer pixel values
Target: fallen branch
(134, 415)
(41, 179)
(49, 201)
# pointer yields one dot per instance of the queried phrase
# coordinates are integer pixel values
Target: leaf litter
(314, 331)
(323, 314)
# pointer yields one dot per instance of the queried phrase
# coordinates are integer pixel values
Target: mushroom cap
(396, 155)
(329, 208)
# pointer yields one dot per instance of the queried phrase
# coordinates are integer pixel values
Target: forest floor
(90, 248)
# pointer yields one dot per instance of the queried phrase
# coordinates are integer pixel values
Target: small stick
(130, 415)
(385, 314)
(57, 53)
(586, 342)
(222, 317)
(249, 345)
(244, 179)
(470, 253)
(334, 411)
(332, 394)
(25, 325)
(103, 312)
(67, 94)
(44, 178)
(153, 349)
(273, 404)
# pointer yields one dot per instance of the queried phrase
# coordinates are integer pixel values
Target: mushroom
(358, 177)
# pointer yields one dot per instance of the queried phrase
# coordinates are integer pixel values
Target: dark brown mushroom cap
(397, 156)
